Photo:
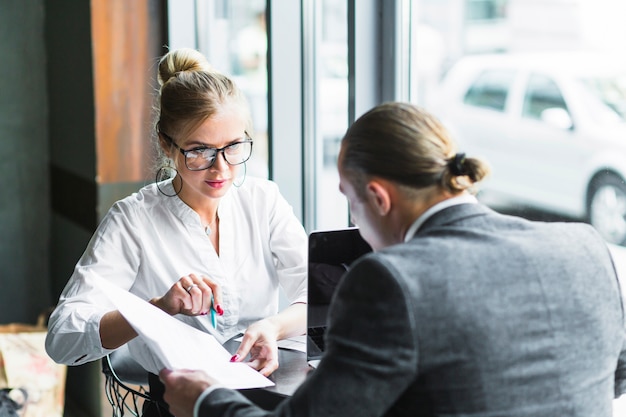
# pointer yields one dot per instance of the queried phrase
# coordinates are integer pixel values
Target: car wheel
(606, 208)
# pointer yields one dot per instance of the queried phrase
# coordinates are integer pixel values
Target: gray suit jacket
(480, 315)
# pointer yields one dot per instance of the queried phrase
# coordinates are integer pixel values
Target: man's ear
(379, 196)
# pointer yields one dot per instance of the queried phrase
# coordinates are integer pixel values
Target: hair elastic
(457, 163)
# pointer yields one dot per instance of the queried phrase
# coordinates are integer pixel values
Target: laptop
(330, 254)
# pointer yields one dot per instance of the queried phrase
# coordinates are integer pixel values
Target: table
(287, 378)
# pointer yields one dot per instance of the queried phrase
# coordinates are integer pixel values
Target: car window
(542, 93)
(610, 92)
(490, 89)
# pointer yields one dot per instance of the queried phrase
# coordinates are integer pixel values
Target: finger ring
(190, 287)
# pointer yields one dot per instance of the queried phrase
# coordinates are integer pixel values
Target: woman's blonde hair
(404, 143)
(191, 91)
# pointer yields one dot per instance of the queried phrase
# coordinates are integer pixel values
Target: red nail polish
(219, 310)
(234, 358)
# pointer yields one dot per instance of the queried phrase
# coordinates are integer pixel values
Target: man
(460, 310)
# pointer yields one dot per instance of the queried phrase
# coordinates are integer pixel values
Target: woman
(208, 238)
(459, 310)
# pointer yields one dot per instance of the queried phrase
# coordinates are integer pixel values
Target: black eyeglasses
(198, 159)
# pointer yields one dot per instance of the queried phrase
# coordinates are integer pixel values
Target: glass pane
(609, 93)
(490, 90)
(485, 9)
(232, 34)
(542, 94)
(331, 72)
(555, 145)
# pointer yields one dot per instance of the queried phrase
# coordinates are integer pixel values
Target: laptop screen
(330, 254)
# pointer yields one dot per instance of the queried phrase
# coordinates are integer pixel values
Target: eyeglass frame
(217, 150)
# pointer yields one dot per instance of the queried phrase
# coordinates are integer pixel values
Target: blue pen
(213, 314)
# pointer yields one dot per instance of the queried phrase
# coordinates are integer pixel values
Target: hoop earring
(164, 173)
(243, 178)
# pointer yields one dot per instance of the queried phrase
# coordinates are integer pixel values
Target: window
(490, 89)
(329, 209)
(486, 9)
(233, 37)
(309, 89)
(542, 93)
(608, 93)
(581, 104)
(301, 146)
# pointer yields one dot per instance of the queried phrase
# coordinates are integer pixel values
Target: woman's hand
(260, 342)
(260, 338)
(192, 296)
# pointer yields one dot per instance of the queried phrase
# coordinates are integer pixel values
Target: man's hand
(182, 389)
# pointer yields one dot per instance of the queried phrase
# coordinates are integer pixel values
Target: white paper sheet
(176, 345)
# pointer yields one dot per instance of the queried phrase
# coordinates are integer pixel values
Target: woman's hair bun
(180, 60)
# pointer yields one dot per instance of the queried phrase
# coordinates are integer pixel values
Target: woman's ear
(379, 196)
(164, 144)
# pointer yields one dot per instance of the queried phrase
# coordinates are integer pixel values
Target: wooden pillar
(128, 38)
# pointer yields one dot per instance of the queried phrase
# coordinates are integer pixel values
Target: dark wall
(24, 157)
(72, 165)
(47, 151)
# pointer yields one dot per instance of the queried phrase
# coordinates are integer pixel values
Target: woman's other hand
(259, 341)
(191, 295)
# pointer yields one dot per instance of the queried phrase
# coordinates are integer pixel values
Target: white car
(552, 127)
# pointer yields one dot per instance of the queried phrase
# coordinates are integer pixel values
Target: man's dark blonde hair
(403, 143)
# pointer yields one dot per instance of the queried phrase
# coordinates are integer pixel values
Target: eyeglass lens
(235, 154)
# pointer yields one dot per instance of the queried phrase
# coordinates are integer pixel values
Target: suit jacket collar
(451, 215)
(417, 224)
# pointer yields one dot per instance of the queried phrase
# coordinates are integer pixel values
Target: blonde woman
(207, 242)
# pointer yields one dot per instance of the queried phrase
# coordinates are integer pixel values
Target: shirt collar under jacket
(462, 199)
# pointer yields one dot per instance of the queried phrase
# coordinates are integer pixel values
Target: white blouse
(147, 241)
